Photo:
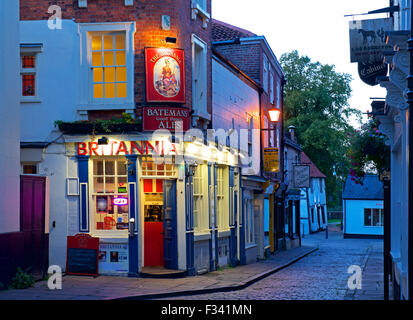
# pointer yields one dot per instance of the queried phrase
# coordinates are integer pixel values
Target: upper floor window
(201, 3)
(199, 8)
(107, 66)
(108, 69)
(199, 76)
(29, 71)
(271, 89)
(278, 93)
(265, 73)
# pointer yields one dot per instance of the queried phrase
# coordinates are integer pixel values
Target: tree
(316, 103)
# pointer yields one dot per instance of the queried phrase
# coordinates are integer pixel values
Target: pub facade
(116, 112)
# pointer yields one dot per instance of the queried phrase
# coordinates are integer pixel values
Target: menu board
(82, 255)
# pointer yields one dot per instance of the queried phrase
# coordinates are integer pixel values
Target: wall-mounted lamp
(274, 115)
(103, 141)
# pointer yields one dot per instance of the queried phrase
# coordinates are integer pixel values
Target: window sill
(202, 236)
(250, 246)
(224, 233)
(106, 106)
(30, 100)
(198, 11)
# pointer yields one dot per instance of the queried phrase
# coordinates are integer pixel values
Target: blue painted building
(363, 213)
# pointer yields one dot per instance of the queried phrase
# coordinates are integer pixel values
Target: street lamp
(274, 115)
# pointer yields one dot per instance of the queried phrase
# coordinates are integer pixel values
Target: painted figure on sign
(166, 73)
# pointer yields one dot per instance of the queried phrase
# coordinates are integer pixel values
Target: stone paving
(106, 287)
(299, 274)
(321, 275)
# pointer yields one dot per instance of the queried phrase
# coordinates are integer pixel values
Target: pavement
(112, 287)
(319, 270)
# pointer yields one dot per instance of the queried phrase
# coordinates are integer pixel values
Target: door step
(161, 272)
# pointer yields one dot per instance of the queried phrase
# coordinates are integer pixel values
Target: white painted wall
(316, 197)
(232, 98)
(354, 217)
(57, 78)
(9, 115)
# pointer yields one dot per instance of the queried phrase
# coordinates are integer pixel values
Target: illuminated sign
(170, 118)
(120, 201)
(115, 148)
(165, 75)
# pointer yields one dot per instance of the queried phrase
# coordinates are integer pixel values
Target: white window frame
(222, 198)
(201, 208)
(199, 8)
(92, 198)
(86, 100)
(199, 106)
(249, 221)
(265, 70)
(30, 51)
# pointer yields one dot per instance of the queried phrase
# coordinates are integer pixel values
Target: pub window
(28, 75)
(153, 168)
(108, 65)
(110, 194)
(201, 212)
(222, 208)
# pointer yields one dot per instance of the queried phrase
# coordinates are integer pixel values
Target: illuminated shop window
(28, 75)
(201, 210)
(151, 168)
(108, 65)
(110, 194)
(221, 195)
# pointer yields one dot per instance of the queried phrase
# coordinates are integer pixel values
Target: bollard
(326, 231)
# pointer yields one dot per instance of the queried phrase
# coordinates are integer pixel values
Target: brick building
(97, 85)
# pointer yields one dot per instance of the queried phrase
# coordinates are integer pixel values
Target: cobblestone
(321, 275)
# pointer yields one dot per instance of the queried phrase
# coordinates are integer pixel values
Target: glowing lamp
(274, 115)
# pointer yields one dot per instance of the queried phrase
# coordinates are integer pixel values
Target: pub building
(154, 203)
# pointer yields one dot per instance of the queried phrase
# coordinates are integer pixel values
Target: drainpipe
(410, 164)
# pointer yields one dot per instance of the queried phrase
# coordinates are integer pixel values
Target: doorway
(160, 223)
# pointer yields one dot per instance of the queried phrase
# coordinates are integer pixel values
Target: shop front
(137, 197)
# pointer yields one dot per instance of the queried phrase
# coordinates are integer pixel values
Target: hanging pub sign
(301, 176)
(169, 118)
(271, 160)
(368, 39)
(369, 72)
(165, 75)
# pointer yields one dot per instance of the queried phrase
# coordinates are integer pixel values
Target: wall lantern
(103, 141)
(274, 115)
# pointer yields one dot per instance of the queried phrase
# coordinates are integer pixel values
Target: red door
(153, 244)
(32, 220)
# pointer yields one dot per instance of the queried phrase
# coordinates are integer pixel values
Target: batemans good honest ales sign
(169, 118)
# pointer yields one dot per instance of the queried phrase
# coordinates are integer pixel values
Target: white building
(9, 115)
(363, 213)
(313, 204)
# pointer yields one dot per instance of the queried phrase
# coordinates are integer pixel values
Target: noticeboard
(271, 160)
(82, 255)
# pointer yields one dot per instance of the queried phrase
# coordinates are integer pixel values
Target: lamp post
(274, 118)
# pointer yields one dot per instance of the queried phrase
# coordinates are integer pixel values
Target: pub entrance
(160, 224)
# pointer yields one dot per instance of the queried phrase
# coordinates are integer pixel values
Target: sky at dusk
(315, 28)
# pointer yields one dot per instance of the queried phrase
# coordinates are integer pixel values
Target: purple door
(32, 221)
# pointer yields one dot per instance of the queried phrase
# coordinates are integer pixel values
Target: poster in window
(165, 75)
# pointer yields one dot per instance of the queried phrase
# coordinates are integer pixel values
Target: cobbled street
(321, 275)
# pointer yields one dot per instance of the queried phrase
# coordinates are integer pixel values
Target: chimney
(291, 130)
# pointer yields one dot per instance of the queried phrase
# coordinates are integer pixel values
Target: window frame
(200, 106)
(265, 72)
(30, 71)
(92, 197)
(249, 222)
(201, 206)
(222, 198)
(86, 99)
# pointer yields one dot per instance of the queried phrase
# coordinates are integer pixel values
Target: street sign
(271, 160)
(301, 176)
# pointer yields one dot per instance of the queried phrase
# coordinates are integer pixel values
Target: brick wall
(147, 15)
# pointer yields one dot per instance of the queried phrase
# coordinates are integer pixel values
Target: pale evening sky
(315, 28)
